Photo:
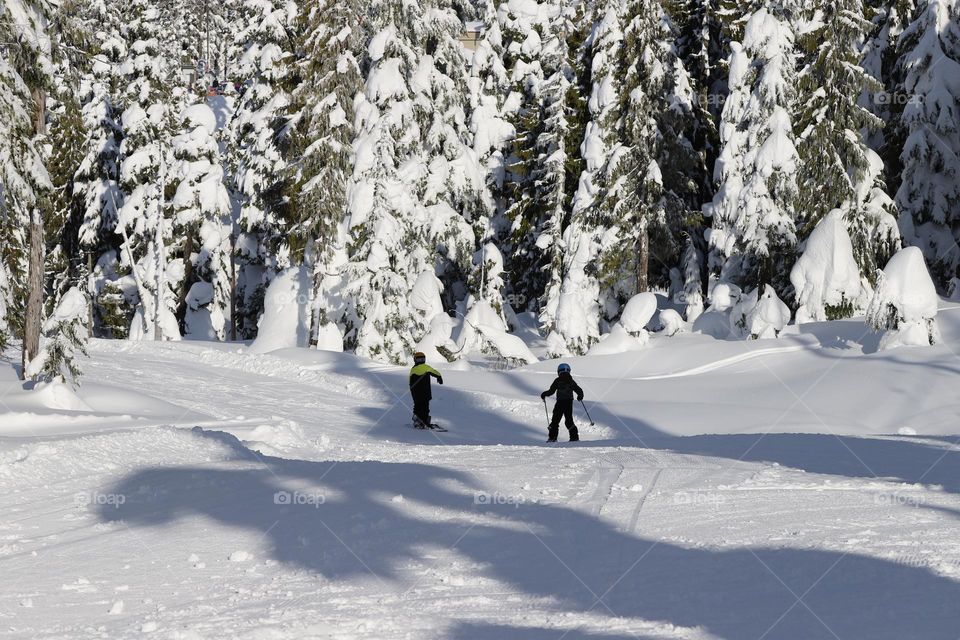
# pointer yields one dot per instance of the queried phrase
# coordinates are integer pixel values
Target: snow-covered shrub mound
(905, 302)
(638, 311)
(432, 324)
(827, 278)
(715, 321)
(484, 330)
(759, 317)
(200, 115)
(286, 313)
(55, 394)
(329, 337)
(619, 340)
(64, 335)
(671, 322)
(436, 344)
(629, 334)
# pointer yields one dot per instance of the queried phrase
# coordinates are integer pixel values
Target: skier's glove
(440, 380)
(579, 398)
(543, 396)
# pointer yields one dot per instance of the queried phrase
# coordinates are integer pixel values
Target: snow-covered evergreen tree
(24, 181)
(653, 183)
(929, 193)
(753, 231)
(258, 141)
(201, 219)
(64, 338)
(836, 168)
(329, 78)
(144, 218)
(578, 313)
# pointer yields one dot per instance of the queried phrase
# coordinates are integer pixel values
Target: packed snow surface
(801, 488)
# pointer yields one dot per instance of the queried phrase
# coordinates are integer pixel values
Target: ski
(432, 427)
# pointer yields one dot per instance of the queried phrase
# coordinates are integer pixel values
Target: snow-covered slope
(802, 488)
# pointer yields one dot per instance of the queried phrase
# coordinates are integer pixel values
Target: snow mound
(638, 311)
(759, 317)
(827, 275)
(57, 395)
(905, 302)
(672, 322)
(286, 317)
(484, 330)
(200, 115)
(619, 340)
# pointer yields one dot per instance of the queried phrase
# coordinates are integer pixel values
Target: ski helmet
(419, 357)
(563, 368)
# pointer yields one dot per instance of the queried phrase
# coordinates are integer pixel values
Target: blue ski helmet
(563, 368)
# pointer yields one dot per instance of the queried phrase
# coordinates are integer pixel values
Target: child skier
(564, 386)
(420, 389)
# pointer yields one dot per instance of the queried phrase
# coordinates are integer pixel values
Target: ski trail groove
(635, 516)
(725, 362)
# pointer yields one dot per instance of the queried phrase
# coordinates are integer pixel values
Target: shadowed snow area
(800, 488)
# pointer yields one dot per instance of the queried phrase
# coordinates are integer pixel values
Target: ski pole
(587, 412)
(545, 410)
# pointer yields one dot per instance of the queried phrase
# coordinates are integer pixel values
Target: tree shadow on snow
(361, 530)
(473, 418)
(908, 459)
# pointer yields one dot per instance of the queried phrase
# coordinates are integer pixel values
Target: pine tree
(578, 312)
(381, 202)
(24, 181)
(144, 218)
(454, 189)
(753, 234)
(328, 78)
(258, 144)
(656, 180)
(201, 223)
(929, 194)
(836, 168)
(524, 33)
(550, 179)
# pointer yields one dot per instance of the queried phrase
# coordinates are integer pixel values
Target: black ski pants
(421, 409)
(563, 408)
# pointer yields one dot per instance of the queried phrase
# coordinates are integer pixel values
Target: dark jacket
(420, 381)
(564, 386)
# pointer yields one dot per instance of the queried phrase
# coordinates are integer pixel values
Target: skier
(564, 386)
(420, 389)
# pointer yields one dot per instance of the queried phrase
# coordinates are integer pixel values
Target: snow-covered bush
(619, 340)
(286, 313)
(64, 336)
(638, 311)
(826, 278)
(485, 331)
(757, 317)
(671, 322)
(905, 302)
(715, 321)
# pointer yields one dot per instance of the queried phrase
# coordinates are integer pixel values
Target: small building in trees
(472, 31)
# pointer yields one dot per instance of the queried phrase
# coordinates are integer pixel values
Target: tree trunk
(32, 320)
(187, 279)
(233, 287)
(643, 261)
(34, 310)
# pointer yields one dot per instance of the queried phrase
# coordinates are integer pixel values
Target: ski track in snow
(173, 532)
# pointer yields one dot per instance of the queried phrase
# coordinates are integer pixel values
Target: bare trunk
(187, 278)
(643, 261)
(90, 297)
(233, 287)
(32, 320)
(34, 310)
